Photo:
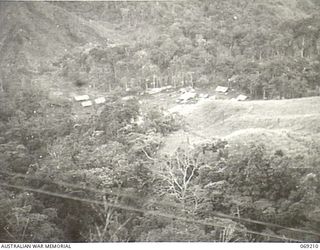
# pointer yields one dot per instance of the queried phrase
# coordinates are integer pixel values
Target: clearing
(290, 125)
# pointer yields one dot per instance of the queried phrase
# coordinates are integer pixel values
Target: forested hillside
(98, 174)
(264, 48)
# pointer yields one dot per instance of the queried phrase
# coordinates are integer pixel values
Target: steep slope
(35, 34)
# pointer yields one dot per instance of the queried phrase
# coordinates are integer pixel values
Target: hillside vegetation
(265, 48)
(140, 167)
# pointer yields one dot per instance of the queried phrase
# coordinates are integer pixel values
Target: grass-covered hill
(291, 125)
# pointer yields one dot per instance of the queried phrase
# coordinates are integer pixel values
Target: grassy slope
(290, 125)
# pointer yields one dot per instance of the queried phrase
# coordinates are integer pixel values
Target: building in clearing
(86, 103)
(241, 98)
(100, 100)
(222, 89)
(80, 98)
(188, 96)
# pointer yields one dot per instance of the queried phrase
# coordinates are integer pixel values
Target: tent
(153, 91)
(222, 89)
(241, 98)
(204, 95)
(187, 97)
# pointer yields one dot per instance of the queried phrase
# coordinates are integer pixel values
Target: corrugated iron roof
(86, 104)
(79, 98)
(100, 100)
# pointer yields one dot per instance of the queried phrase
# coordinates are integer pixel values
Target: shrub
(163, 123)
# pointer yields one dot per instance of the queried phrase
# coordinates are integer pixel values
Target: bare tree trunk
(191, 78)
(260, 55)
(146, 85)
(1, 86)
(109, 85)
(302, 49)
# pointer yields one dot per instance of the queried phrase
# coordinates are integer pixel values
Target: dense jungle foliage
(100, 178)
(266, 49)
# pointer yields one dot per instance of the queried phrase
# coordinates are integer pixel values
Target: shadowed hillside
(34, 35)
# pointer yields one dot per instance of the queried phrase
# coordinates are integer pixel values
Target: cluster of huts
(225, 90)
(189, 95)
(86, 102)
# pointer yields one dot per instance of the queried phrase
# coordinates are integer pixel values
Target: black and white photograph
(159, 122)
